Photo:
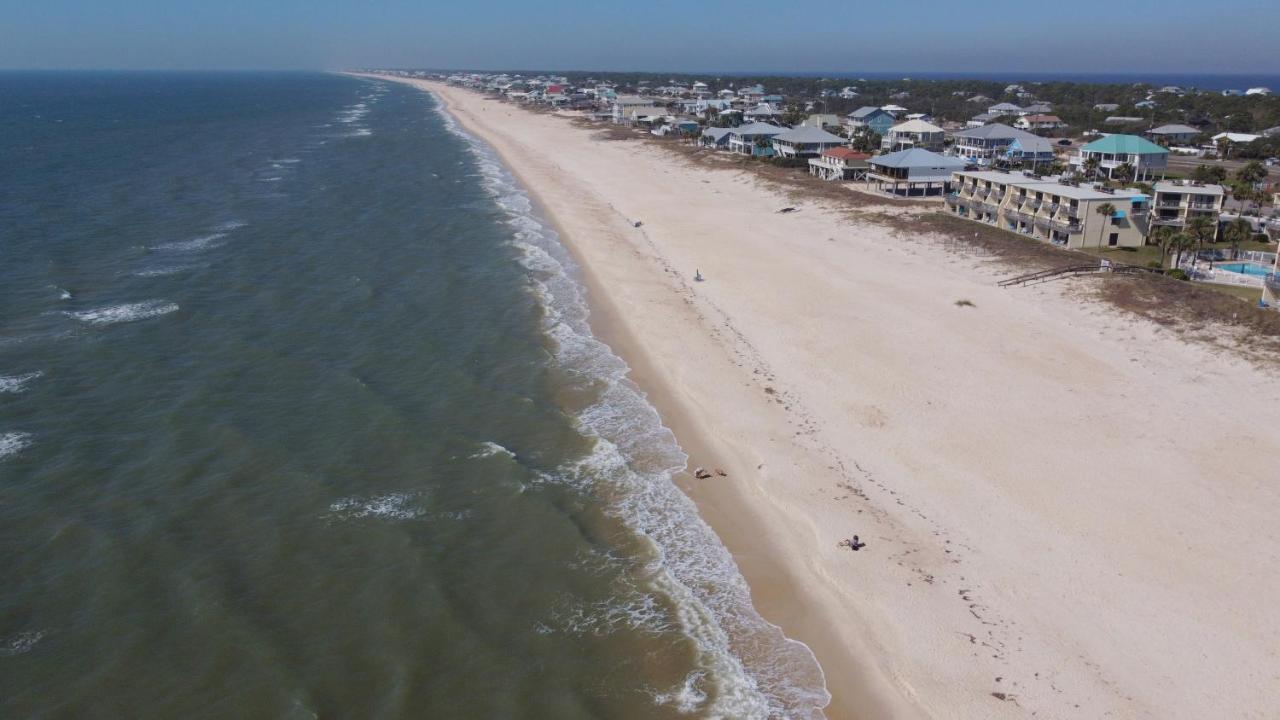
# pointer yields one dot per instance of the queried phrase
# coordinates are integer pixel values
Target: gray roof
(987, 116)
(917, 157)
(1174, 130)
(716, 133)
(865, 111)
(993, 131)
(809, 134)
(1033, 144)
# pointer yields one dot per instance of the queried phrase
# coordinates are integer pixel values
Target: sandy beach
(1068, 513)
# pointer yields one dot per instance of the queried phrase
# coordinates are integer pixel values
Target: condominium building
(1050, 209)
(1178, 202)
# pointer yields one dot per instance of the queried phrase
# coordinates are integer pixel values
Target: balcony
(1069, 226)
(952, 200)
(1033, 204)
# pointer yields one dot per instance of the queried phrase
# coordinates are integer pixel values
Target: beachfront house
(913, 172)
(869, 119)
(987, 143)
(1039, 123)
(1145, 159)
(1178, 202)
(840, 163)
(1004, 108)
(805, 142)
(754, 139)
(913, 133)
(1051, 209)
(715, 138)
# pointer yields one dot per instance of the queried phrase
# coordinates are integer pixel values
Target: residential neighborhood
(1075, 176)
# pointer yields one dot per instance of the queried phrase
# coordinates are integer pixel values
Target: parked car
(1064, 141)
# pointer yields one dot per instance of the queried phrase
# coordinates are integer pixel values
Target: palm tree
(1108, 211)
(1238, 231)
(1123, 172)
(1202, 229)
(1224, 147)
(1180, 242)
(1163, 237)
(1090, 166)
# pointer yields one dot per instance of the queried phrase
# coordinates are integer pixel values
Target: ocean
(301, 417)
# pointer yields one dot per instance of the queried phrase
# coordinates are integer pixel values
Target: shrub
(1177, 274)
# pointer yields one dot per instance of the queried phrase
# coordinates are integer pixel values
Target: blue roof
(1131, 144)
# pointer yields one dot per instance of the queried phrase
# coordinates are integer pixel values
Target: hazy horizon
(1143, 38)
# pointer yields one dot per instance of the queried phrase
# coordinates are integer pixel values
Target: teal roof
(1131, 144)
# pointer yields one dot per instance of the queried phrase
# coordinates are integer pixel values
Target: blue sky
(1138, 36)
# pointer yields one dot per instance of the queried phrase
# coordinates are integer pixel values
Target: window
(1114, 238)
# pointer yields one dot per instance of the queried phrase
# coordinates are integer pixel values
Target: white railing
(1258, 256)
(1204, 272)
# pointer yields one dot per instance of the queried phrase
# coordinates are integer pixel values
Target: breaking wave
(128, 312)
(12, 443)
(748, 668)
(395, 506)
(17, 383)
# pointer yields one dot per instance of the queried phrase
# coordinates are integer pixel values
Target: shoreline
(800, 368)
(774, 591)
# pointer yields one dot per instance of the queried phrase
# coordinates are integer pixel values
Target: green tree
(1224, 147)
(1202, 230)
(1163, 236)
(1123, 172)
(1206, 174)
(1090, 166)
(1180, 243)
(1236, 232)
(1252, 173)
(1107, 211)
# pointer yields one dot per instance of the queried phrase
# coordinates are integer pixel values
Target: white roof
(916, 126)
(1189, 188)
(1236, 137)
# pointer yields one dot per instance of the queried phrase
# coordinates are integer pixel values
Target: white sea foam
(128, 312)
(395, 506)
(12, 443)
(489, 449)
(20, 643)
(687, 698)
(748, 668)
(361, 132)
(164, 270)
(64, 294)
(203, 242)
(17, 383)
(230, 225)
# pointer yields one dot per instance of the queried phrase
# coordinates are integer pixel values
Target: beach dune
(1068, 512)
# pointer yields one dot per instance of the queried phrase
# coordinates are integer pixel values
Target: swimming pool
(1246, 268)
